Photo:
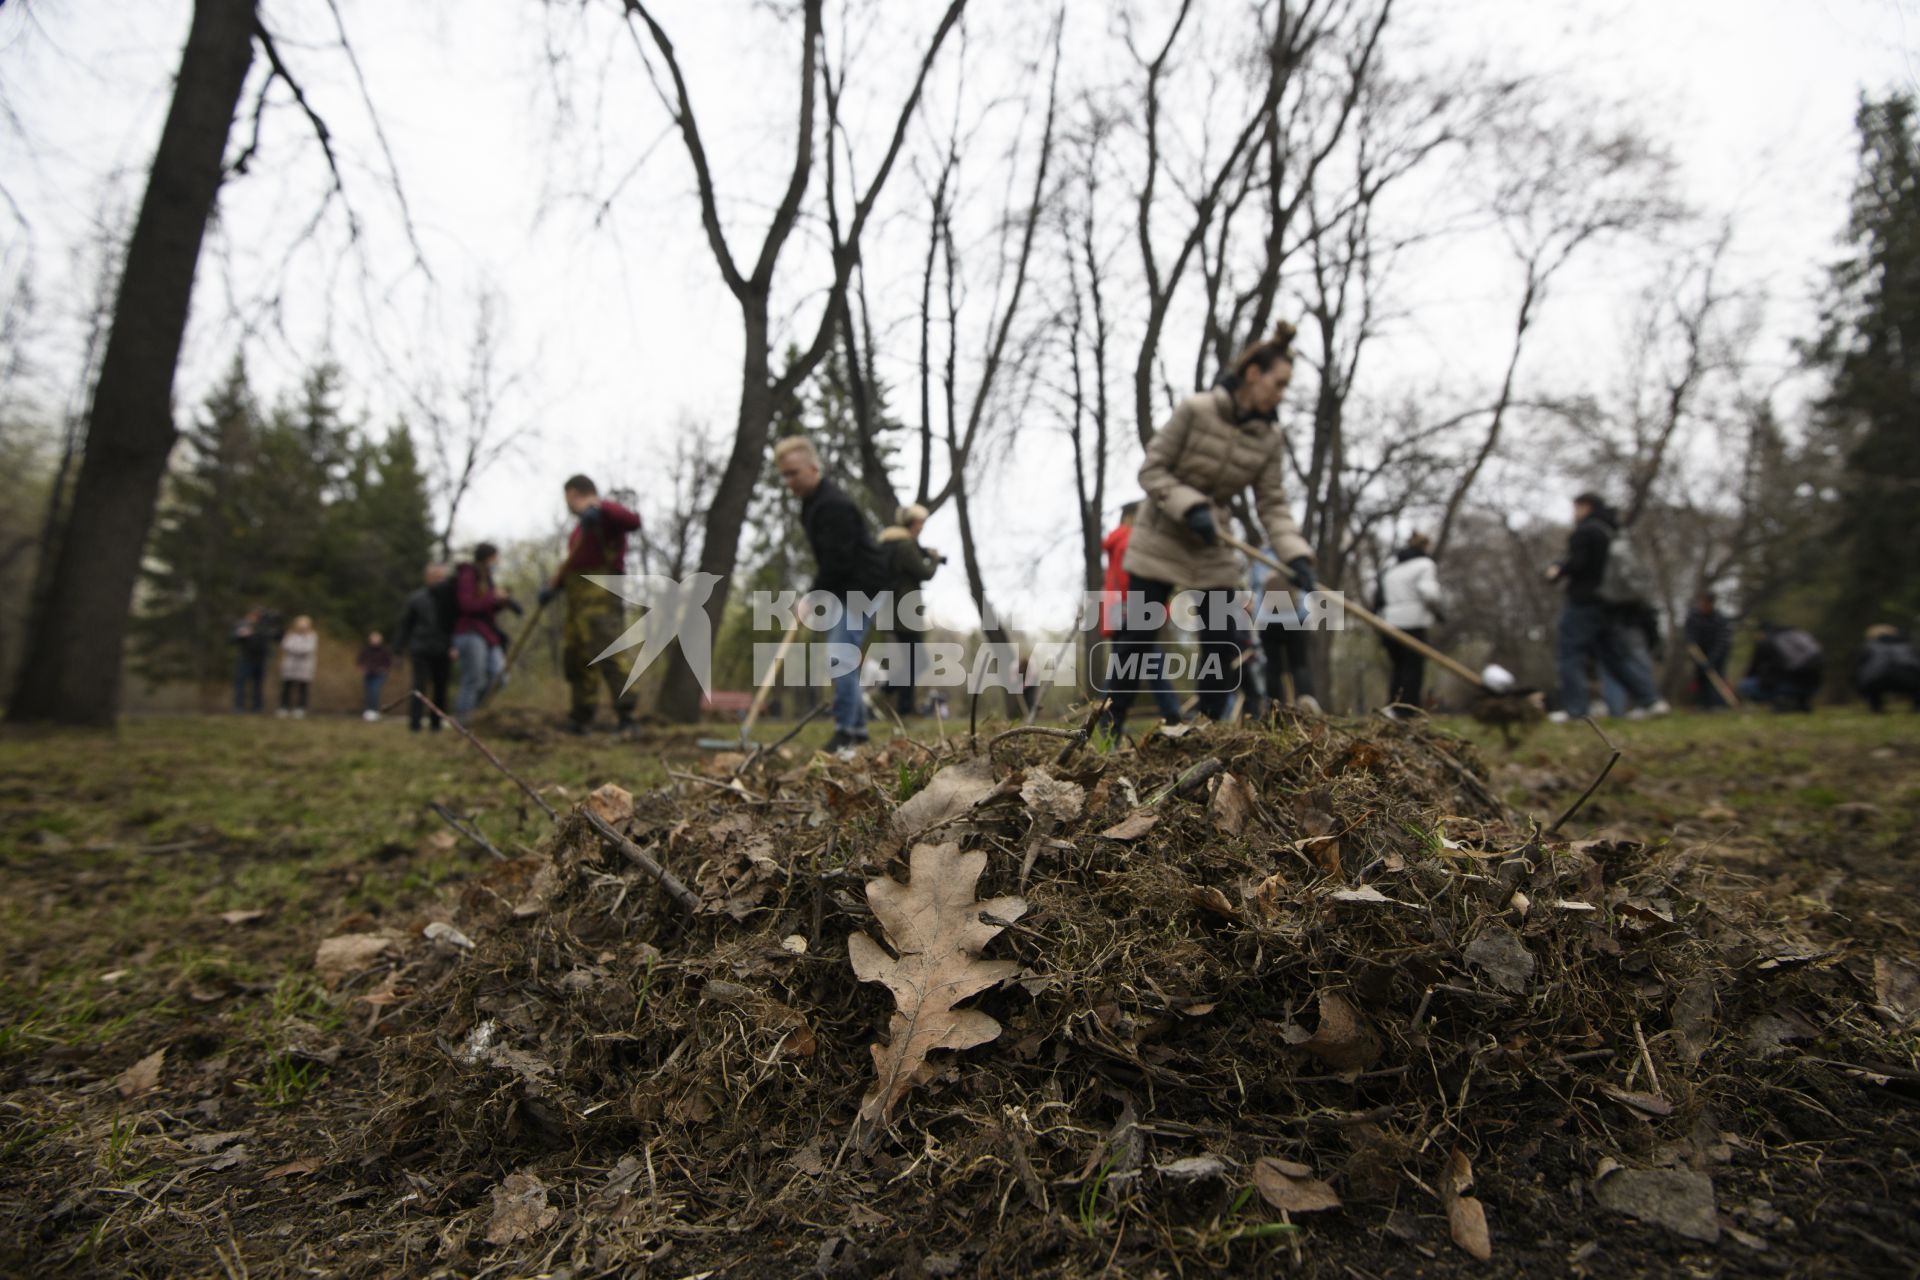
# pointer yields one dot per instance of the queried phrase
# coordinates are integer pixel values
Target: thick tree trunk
(720, 547)
(72, 670)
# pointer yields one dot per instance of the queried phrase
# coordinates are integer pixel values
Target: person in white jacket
(299, 655)
(1410, 599)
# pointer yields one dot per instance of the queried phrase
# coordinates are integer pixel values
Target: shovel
(1718, 681)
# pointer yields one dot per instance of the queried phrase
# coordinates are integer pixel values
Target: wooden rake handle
(766, 682)
(1367, 616)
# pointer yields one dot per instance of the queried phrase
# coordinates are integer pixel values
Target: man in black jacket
(1887, 666)
(425, 635)
(847, 565)
(1590, 625)
(1786, 668)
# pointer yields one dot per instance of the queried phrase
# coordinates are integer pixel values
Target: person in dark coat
(425, 635)
(1711, 633)
(1887, 667)
(1786, 669)
(1589, 624)
(847, 565)
(252, 639)
(909, 564)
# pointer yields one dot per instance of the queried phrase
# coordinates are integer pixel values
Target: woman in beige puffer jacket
(1216, 444)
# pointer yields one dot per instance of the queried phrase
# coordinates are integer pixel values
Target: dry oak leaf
(933, 923)
(1050, 797)
(343, 956)
(1132, 827)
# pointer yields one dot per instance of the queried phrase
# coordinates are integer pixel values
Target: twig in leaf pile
(671, 883)
(471, 833)
(1085, 732)
(760, 753)
(638, 856)
(492, 759)
(1592, 787)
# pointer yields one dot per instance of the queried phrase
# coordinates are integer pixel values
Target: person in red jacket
(1113, 595)
(595, 616)
(477, 638)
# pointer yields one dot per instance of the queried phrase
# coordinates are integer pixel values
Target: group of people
(1216, 447)
(455, 616)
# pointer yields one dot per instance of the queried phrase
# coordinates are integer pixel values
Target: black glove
(590, 517)
(1200, 520)
(548, 593)
(513, 607)
(1301, 567)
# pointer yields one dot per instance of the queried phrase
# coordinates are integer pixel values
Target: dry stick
(1086, 731)
(471, 833)
(1653, 1077)
(1369, 617)
(679, 892)
(782, 740)
(640, 857)
(1593, 786)
(513, 656)
(492, 759)
(1718, 681)
(766, 683)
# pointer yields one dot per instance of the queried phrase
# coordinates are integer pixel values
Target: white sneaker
(281, 714)
(369, 716)
(1308, 705)
(1659, 708)
(1637, 713)
(299, 713)
(1558, 717)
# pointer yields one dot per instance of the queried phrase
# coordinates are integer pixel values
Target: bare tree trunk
(71, 674)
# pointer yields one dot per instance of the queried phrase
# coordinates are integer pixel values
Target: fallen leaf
(1693, 1019)
(343, 956)
(1208, 898)
(1466, 1216)
(1368, 894)
(794, 944)
(294, 1168)
(237, 918)
(1343, 1040)
(520, 1209)
(442, 841)
(720, 764)
(1230, 803)
(1133, 826)
(1050, 797)
(1503, 957)
(934, 925)
(614, 805)
(143, 1076)
(1896, 984)
(1647, 1103)
(441, 931)
(1680, 1200)
(1289, 1187)
(949, 793)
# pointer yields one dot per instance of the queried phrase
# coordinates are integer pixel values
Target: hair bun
(1283, 333)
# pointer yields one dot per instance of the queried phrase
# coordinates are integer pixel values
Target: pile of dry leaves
(1019, 1006)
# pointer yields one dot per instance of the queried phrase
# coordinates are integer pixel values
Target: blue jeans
(849, 708)
(1612, 692)
(1589, 630)
(372, 682)
(480, 662)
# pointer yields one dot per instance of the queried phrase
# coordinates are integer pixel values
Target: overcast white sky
(513, 168)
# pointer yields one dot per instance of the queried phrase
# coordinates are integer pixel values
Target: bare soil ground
(1343, 996)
